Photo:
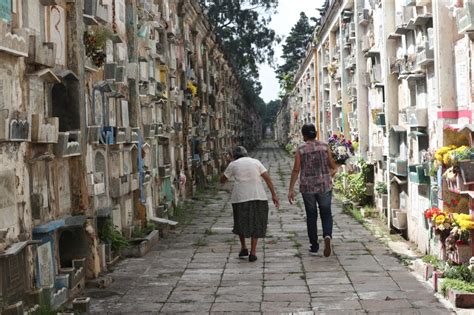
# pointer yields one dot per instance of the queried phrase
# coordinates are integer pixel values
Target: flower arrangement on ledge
(441, 220)
(191, 89)
(449, 221)
(341, 148)
(450, 155)
(95, 39)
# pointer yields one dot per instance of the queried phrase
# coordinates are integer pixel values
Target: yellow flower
(444, 154)
(191, 87)
(464, 221)
(440, 219)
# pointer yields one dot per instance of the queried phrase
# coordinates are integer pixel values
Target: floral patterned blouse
(315, 176)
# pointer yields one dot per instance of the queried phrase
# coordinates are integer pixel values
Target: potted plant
(95, 39)
(381, 188)
(382, 194)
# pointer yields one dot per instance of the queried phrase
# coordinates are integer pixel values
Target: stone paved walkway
(196, 269)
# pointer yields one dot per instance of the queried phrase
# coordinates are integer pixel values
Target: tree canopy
(294, 50)
(246, 38)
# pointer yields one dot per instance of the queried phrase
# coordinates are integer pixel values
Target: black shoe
(244, 253)
(327, 246)
(313, 251)
(252, 258)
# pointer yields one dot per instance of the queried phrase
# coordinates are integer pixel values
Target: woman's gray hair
(239, 152)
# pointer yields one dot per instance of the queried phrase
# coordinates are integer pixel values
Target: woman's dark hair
(239, 152)
(309, 131)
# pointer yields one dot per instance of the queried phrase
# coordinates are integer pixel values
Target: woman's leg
(242, 242)
(253, 248)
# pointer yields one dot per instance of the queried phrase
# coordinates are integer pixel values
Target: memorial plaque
(6, 10)
(5, 89)
(117, 218)
(40, 182)
(112, 112)
(36, 96)
(63, 187)
(125, 119)
(120, 52)
(129, 212)
(45, 265)
(8, 211)
(98, 110)
(56, 23)
(114, 163)
(109, 51)
(100, 163)
(461, 57)
(31, 15)
(127, 162)
(120, 11)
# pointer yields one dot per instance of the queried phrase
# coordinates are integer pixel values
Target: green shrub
(339, 180)
(381, 188)
(142, 232)
(357, 183)
(457, 284)
(432, 260)
(459, 273)
(357, 187)
(110, 234)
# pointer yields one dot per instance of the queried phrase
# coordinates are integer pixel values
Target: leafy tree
(294, 50)
(242, 27)
(271, 109)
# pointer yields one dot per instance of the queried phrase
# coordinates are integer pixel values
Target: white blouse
(246, 174)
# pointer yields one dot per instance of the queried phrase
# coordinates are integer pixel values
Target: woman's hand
(291, 196)
(276, 201)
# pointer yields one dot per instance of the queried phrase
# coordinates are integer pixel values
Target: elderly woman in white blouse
(249, 199)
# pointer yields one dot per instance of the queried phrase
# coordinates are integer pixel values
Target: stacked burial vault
(99, 125)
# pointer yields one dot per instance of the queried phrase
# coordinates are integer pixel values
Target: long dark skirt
(251, 218)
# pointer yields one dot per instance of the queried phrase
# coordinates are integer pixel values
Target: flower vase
(461, 254)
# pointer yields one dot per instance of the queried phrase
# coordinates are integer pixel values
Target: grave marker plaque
(36, 96)
(57, 31)
(5, 89)
(125, 119)
(7, 199)
(98, 108)
(64, 193)
(45, 265)
(6, 10)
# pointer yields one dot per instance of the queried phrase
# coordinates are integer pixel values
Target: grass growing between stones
(183, 213)
(292, 237)
(404, 259)
(281, 175)
(230, 241)
(354, 212)
(209, 232)
(200, 242)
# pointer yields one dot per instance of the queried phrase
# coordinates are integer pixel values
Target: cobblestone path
(196, 269)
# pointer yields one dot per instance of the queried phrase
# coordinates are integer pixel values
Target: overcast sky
(287, 16)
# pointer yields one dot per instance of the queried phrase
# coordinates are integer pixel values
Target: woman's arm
(223, 179)
(294, 177)
(332, 163)
(227, 173)
(269, 182)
